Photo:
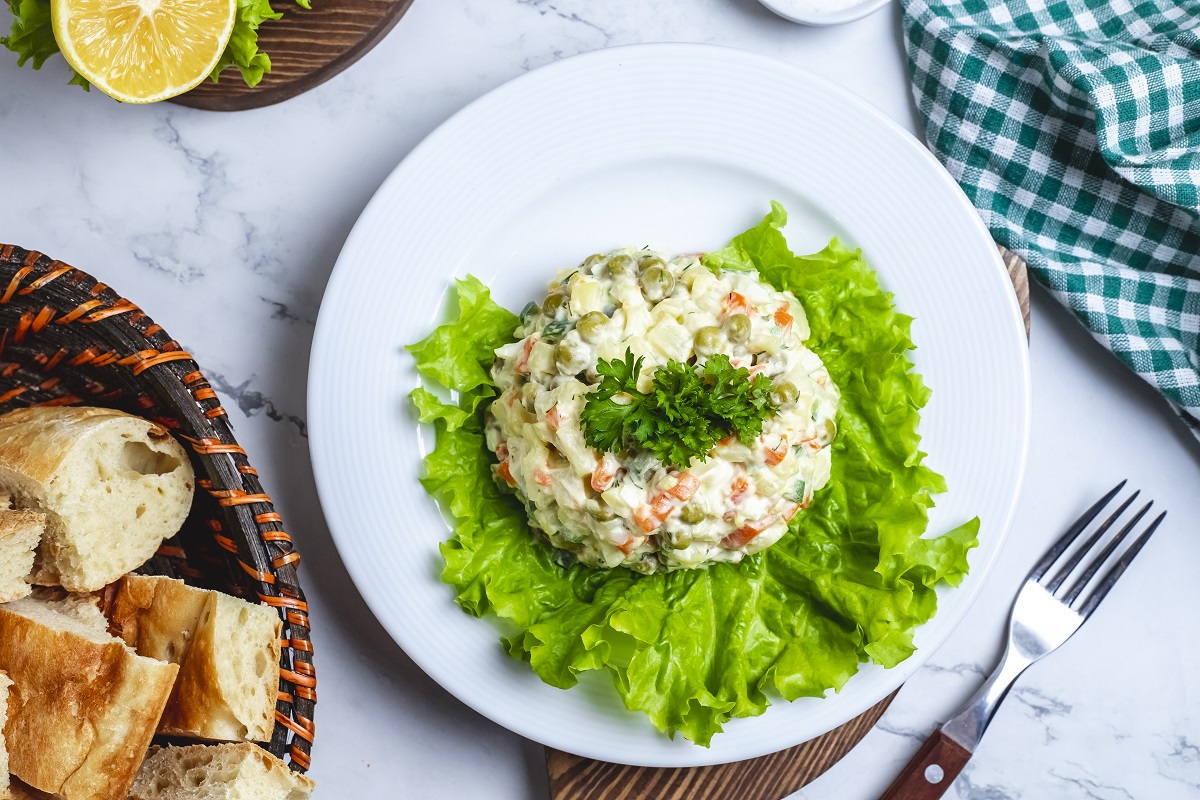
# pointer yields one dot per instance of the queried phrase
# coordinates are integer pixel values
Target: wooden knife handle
(931, 771)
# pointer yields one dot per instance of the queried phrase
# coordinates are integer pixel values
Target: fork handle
(931, 771)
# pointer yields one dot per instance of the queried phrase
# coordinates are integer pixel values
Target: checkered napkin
(1074, 127)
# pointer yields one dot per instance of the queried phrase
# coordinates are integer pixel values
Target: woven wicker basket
(65, 338)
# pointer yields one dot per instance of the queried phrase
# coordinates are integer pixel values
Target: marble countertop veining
(225, 228)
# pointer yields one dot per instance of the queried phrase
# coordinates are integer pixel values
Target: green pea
(591, 326)
(602, 513)
(619, 266)
(570, 358)
(657, 283)
(737, 328)
(593, 260)
(529, 394)
(553, 304)
(678, 541)
(646, 262)
(784, 393)
(830, 430)
(708, 340)
(692, 513)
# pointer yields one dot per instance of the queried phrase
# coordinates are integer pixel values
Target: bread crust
(246, 770)
(94, 472)
(83, 708)
(166, 619)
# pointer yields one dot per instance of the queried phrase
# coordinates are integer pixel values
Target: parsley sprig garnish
(686, 412)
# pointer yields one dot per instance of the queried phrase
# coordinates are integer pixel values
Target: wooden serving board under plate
(768, 777)
(307, 48)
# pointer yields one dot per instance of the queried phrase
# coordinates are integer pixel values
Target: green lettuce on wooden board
(31, 37)
(848, 583)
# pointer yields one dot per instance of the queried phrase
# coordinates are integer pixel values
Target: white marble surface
(225, 228)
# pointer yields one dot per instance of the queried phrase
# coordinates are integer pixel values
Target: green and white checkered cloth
(1074, 127)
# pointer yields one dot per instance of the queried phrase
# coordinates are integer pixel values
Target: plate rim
(341, 273)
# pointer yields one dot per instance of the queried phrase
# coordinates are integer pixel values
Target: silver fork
(1047, 611)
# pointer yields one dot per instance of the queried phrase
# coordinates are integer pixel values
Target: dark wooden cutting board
(769, 777)
(307, 48)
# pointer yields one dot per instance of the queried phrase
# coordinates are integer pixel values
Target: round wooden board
(768, 777)
(307, 48)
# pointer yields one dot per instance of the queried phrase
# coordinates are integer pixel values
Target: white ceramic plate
(679, 147)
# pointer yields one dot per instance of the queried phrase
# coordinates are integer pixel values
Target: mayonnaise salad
(627, 508)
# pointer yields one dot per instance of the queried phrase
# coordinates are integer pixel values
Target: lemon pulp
(140, 51)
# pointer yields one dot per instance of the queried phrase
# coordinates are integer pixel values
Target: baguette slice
(83, 707)
(19, 790)
(20, 532)
(113, 486)
(5, 685)
(240, 771)
(227, 651)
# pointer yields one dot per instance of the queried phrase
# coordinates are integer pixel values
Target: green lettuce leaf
(850, 582)
(32, 39)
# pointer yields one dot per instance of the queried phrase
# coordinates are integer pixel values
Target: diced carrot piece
(728, 440)
(685, 486)
(552, 417)
(543, 477)
(790, 510)
(646, 519)
(627, 546)
(602, 476)
(757, 368)
(774, 456)
(661, 505)
(738, 489)
(782, 317)
(506, 473)
(502, 451)
(747, 532)
(735, 303)
(522, 367)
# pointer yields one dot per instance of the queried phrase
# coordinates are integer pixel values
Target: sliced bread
(5, 685)
(112, 486)
(227, 651)
(240, 771)
(20, 532)
(83, 707)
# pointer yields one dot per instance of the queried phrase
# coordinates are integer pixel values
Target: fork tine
(1118, 569)
(1075, 558)
(1098, 561)
(1062, 544)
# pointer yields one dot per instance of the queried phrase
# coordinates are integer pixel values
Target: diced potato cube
(588, 294)
(671, 340)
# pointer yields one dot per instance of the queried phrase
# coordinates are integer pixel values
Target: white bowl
(805, 12)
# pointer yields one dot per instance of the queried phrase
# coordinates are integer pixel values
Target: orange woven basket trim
(53, 361)
(297, 678)
(204, 483)
(11, 393)
(171, 551)
(78, 311)
(285, 697)
(161, 358)
(84, 356)
(306, 668)
(283, 602)
(23, 325)
(44, 317)
(147, 402)
(299, 757)
(213, 413)
(122, 306)
(298, 618)
(299, 644)
(57, 272)
(98, 289)
(192, 377)
(304, 693)
(9, 369)
(213, 449)
(204, 394)
(64, 400)
(15, 284)
(268, 516)
(105, 360)
(285, 559)
(49, 383)
(253, 573)
(293, 727)
(276, 536)
(244, 500)
(246, 469)
(225, 543)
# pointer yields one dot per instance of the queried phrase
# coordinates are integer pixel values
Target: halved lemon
(140, 51)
